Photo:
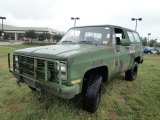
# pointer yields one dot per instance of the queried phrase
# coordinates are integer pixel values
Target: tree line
(150, 43)
(42, 36)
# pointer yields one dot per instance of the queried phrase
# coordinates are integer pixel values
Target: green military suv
(85, 58)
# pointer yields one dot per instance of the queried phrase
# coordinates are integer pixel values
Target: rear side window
(136, 37)
(130, 35)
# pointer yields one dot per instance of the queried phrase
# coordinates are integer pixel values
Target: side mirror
(125, 42)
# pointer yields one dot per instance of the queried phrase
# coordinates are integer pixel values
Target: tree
(31, 34)
(144, 41)
(153, 43)
(44, 36)
(57, 37)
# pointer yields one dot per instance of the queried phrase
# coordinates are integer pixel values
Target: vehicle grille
(35, 68)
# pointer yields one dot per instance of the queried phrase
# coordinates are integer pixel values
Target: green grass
(120, 100)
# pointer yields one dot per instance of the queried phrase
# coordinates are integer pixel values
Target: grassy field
(120, 99)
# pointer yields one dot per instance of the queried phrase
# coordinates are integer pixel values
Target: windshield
(87, 35)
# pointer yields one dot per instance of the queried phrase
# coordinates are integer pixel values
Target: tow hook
(18, 83)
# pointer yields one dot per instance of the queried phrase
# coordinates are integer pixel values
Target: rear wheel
(132, 73)
(92, 93)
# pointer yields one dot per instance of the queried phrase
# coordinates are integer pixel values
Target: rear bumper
(53, 88)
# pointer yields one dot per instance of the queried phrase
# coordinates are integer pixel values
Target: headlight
(16, 62)
(63, 70)
(16, 58)
(63, 67)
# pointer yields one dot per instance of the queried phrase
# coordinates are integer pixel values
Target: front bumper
(57, 89)
(53, 88)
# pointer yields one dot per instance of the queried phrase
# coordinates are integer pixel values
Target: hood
(56, 51)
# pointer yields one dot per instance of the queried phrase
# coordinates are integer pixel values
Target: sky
(57, 14)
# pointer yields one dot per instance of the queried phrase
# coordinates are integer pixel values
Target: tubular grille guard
(36, 68)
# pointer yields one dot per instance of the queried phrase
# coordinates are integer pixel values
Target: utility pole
(2, 33)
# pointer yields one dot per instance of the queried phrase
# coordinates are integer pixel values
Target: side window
(130, 35)
(136, 36)
(119, 34)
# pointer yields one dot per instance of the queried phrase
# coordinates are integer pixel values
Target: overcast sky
(57, 13)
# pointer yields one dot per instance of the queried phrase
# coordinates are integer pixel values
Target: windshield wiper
(86, 42)
(68, 42)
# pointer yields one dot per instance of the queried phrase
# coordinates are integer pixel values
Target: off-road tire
(132, 73)
(91, 98)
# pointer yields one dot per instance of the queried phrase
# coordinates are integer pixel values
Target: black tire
(132, 73)
(91, 98)
(33, 89)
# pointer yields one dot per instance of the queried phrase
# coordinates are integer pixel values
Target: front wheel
(132, 73)
(32, 88)
(92, 94)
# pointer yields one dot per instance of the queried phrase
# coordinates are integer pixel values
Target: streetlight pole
(75, 18)
(3, 18)
(136, 19)
(148, 38)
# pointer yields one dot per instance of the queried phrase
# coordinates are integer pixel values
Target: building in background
(18, 33)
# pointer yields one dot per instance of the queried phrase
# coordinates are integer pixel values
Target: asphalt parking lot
(11, 43)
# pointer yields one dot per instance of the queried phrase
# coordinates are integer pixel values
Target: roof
(105, 26)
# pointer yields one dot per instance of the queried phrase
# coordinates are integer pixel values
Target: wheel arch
(102, 70)
(138, 60)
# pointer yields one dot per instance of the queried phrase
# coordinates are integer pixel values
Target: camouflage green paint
(81, 58)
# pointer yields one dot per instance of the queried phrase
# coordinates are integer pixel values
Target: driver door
(123, 56)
